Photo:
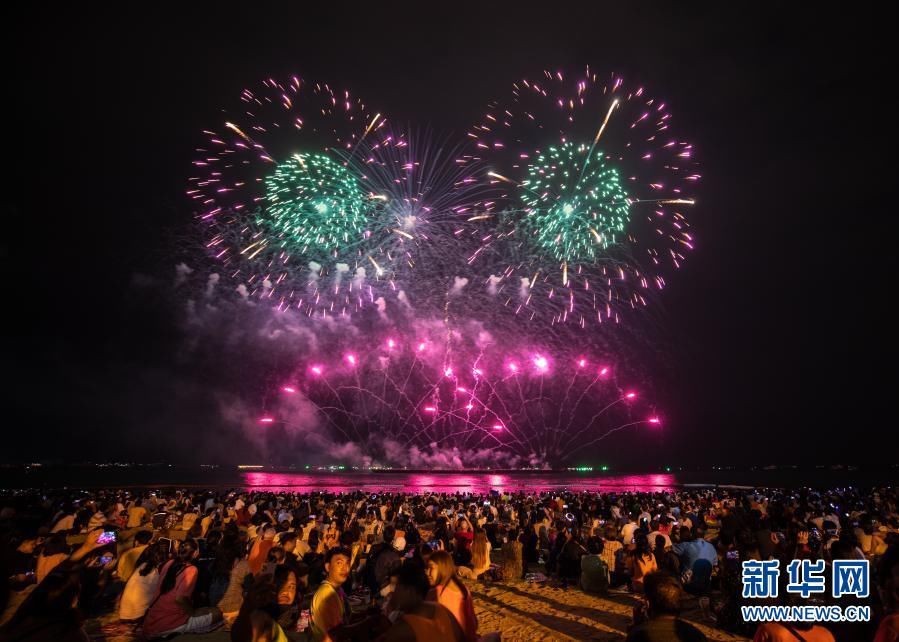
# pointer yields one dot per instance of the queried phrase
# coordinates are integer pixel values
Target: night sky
(781, 323)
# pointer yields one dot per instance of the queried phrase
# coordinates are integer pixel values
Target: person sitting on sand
(612, 555)
(480, 554)
(657, 619)
(172, 611)
(330, 611)
(420, 621)
(261, 546)
(641, 562)
(464, 536)
(594, 570)
(449, 591)
(143, 583)
(513, 557)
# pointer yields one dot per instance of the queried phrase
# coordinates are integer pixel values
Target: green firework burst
(575, 204)
(314, 205)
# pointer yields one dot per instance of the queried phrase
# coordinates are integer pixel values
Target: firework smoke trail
(596, 183)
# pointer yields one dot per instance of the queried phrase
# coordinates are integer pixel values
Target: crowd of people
(399, 566)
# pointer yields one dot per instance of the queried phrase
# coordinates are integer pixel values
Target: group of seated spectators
(399, 566)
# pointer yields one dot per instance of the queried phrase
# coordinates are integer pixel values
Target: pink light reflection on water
(476, 482)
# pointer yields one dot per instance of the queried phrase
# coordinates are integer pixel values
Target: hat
(399, 543)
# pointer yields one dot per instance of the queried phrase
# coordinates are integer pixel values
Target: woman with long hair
(641, 561)
(285, 580)
(513, 557)
(448, 590)
(172, 611)
(480, 554)
(143, 583)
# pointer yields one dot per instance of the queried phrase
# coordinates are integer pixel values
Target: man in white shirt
(628, 530)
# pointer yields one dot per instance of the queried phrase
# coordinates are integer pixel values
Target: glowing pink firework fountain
(482, 401)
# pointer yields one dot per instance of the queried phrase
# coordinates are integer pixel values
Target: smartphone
(780, 537)
(165, 541)
(486, 503)
(106, 558)
(733, 555)
(434, 544)
(106, 537)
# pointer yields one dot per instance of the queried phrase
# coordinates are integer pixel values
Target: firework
(597, 183)
(431, 211)
(563, 207)
(314, 207)
(312, 202)
(282, 215)
(424, 393)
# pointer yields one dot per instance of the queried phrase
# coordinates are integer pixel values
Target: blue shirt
(698, 549)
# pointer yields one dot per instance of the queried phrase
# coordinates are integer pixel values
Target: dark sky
(781, 321)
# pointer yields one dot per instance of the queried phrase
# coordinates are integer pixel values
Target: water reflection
(452, 482)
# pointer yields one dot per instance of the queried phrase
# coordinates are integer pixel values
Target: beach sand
(534, 612)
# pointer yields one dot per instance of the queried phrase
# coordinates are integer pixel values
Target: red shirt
(465, 538)
(165, 614)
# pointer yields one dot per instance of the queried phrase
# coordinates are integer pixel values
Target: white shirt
(65, 523)
(627, 532)
(139, 593)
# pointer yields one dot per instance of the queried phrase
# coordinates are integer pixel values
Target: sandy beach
(536, 613)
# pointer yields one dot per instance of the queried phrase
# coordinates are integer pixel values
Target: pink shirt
(165, 614)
